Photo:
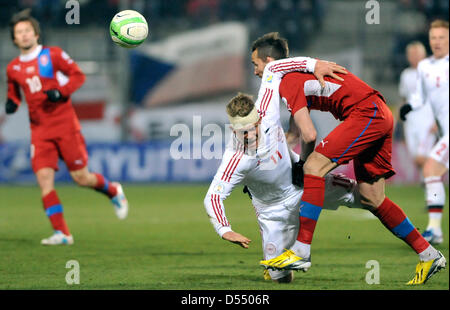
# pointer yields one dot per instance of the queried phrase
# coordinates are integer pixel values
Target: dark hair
(24, 16)
(271, 45)
(240, 105)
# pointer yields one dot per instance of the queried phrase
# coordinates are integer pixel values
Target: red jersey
(44, 69)
(300, 90)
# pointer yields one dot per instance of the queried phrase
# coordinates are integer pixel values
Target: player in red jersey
(364, 136)
(47, 77)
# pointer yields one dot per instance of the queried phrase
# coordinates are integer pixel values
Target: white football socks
(301, 249)
(428, 254)
(435, 196)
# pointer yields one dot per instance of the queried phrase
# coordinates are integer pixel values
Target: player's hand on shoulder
(10, 107)
(237, 238)
(327, 68)
(54, 95)
(405, 109)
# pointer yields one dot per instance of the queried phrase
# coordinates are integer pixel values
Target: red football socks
(54, 211)
(104, 186)
(393, 217)
(310, 206)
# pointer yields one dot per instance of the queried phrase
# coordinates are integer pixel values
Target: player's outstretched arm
(229, 174)
(326, 68)
(320, 68)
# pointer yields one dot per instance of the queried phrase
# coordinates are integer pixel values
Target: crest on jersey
(45, 64)
(43, 60)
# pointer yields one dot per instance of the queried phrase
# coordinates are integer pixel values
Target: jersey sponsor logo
(78, 162)
(269, 79)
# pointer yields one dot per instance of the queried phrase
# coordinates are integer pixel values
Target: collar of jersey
(31, 55)
(434, 59)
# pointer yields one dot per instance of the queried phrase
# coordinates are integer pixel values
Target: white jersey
(419, 123)
(432, 85)
(268, 172)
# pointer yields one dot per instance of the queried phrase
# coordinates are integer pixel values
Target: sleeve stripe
(266, 102)
(213, 203)
(225, 173)
(263, 100)
(234, 167)
(286, 65)
(215, 200)
(293, 67)
(219, 204)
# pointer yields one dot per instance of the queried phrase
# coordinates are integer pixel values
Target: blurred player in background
(258, 156)
(420, 129)
(432, 86)
(47, 77)
(364, 136)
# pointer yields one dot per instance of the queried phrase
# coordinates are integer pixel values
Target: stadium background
(196, 57)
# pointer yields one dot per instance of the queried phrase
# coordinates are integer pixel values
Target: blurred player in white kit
(258, 156)
(420, 128)
(432, 86)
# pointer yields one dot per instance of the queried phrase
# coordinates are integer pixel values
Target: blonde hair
(240, 105)
(439, 23)
(415, 44)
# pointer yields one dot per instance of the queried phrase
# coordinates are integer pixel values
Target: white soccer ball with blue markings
(128, 29)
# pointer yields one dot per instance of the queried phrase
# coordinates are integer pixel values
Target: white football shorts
(440, 151)
(417, 129)
(279, 222)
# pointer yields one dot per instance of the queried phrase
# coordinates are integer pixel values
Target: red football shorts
(366, 137)
(71, 148)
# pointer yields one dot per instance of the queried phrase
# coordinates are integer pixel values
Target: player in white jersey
(433, 85)
(258, 156)
(420, 128)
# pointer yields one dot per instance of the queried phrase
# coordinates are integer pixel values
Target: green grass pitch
(168, 243)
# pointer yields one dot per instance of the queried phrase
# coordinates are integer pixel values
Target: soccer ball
(128, 29)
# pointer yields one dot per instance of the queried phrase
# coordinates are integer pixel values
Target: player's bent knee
(432, 168)
(317, 165)
(82, 179)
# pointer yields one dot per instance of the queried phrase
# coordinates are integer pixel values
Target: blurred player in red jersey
(47, 77)
(364, 136)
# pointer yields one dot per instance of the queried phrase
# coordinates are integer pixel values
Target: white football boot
(58, 238)
(120, 202)
(433, 236)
